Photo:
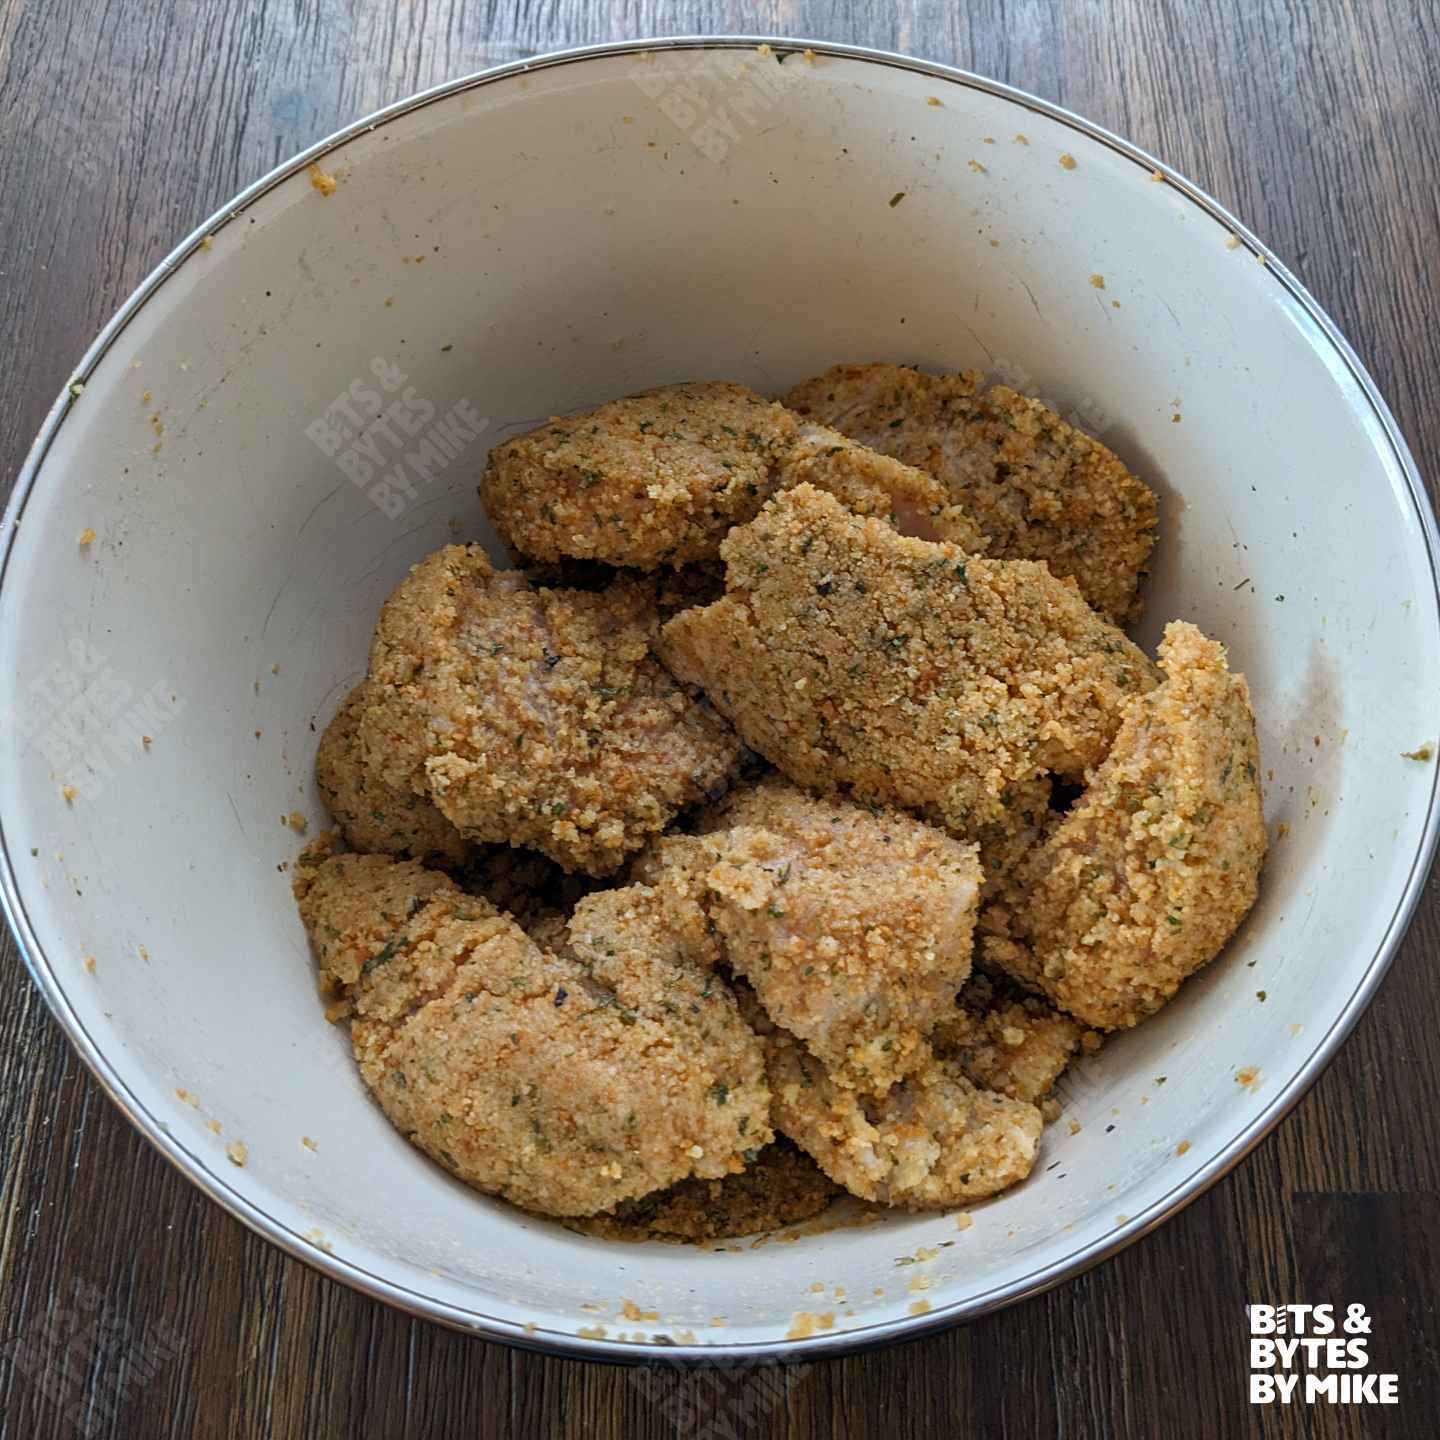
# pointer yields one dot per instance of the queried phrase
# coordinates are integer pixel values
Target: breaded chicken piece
(911, 672)
(783, 1187)
(1013, 1044)
(566, 1085)
(655, 478)
(1039, 489)
(376, 818)
(870, 483)
(536, 717)
(658, 478)
(854, 927)
(1148, 875)
(933, 1141)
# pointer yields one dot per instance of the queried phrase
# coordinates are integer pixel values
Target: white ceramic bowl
(548, 236)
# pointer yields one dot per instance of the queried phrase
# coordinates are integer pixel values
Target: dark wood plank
(122, 125)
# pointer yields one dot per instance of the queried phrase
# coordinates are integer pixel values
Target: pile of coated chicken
(799, 791)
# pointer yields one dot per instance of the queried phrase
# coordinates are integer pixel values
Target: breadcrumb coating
(565, 1085)
(870, 483)
(374, 817)
(783, 1187)
(654, 478)
(1014, 1045)
(854, 926)
(1038, 488)
(536, 717)
(911, 672)
(933, 1141)
(660, 477)
(1159, 860)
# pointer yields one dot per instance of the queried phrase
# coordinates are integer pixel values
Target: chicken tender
(536, 717)
(1148, 875)
(565, 1085)
(1038, 489)
(911, 672)
(933, 1141)
(1014, 1045)
(660, 477)
(652, 479)
(854, 927)
(870, 483)
(374, 817)
(783, 1187)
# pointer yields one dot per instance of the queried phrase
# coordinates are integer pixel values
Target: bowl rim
(418, 1304)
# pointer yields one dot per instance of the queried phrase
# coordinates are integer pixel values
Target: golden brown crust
(1038, 488)
(783, 1187)
(650, 479)
(566, 1085)
(375, 817)
(935, 1141)
(913, 673)
(1148, 875)
(854, 926)
(536, 717)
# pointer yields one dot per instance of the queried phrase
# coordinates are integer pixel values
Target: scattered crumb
(213, 1126)
(297, 822)
(1232, 242)
(1074, 1126)
(1021, 140)
(631, 1311)
(529, 1328)
(920, 1307)
(932, 99)
(1098, 281)
(809, 56)
(189, 1097)
(978, 168)
(324, 183)
(1295, 1028)
(1157, 178)
(896, 198)
(1182, 1147)
(1282, 830)
(87, 536)
(1425, 752)
(585, 1332)
(963, 1221)
(237, 1153)
(68, 791)
(1249, 1076)
(207, 242)
(1122, 1219)
(920, 1282)
(1068, 161)
(764, 51)
(717, 1321)
(144, 953)
(90, 963)
(308, 1143)
(318, 1240)
(805, 1324)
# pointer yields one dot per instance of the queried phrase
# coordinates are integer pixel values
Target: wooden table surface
(123, 123)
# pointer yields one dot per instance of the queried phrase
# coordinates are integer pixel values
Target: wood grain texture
(142, 1310)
